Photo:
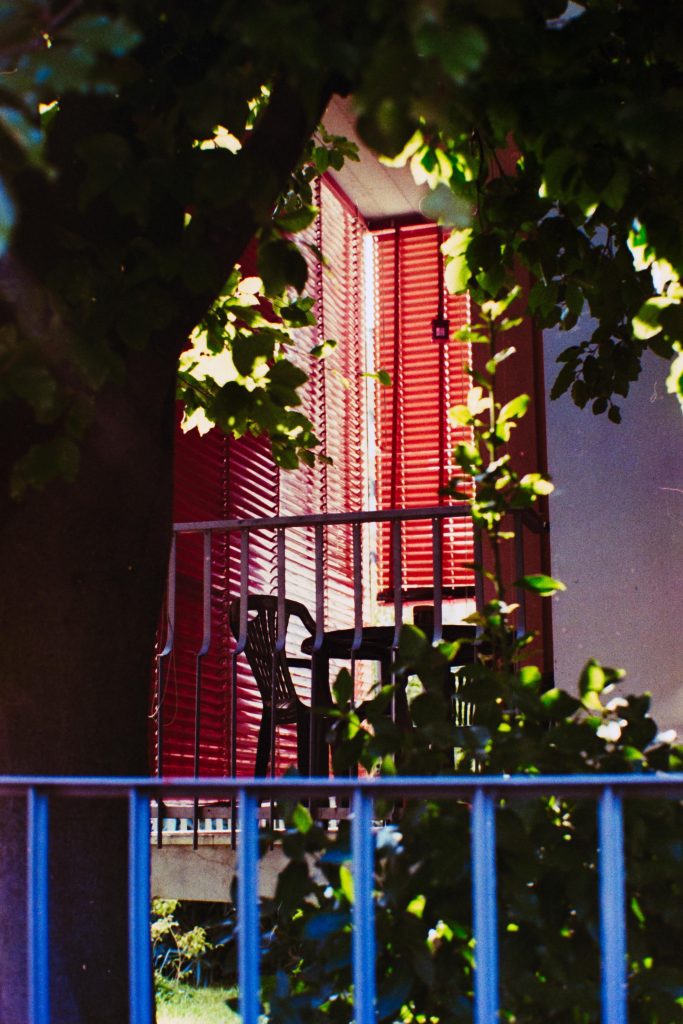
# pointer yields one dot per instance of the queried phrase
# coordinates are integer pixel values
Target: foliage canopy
(143, 146)
(495, 717)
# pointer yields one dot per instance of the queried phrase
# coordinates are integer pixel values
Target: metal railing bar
(201, 653)
(278, 652)
(437, 549)
(484, 910)
(170, 602)
(532, 519)
(478, 576)
(357, 554)
(327, 518)
(319, 558)
(37, 825)
(247, 909)
(612, 914)
(397, 577)
(162, 659)
(139, 899)
(519, 572)
(659, 784)
(363, 947)
(397, 586)
(239, 648)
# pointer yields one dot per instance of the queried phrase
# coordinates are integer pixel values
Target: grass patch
(177, 1003)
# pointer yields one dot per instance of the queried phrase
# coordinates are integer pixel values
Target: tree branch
(269, 156)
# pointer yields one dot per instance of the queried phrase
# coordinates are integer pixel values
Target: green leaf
(324, 349)
(540, 584)
(25, 133)
(646, 322)
(292, 221)
(563, 381)
(99, 32)
(559, 704)
(301, 819)
(674, 381)
(457, 272)
(592, 678)
(346, 882)
(382, 377)
(529, 676)
(342, 687)
(281, 264)
(412, 644)
(392, 995)
(322, 925)
(287, 374)
(6, 217)
(445, 206)
(514, 409)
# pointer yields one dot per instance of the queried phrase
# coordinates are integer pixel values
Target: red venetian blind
(200, 493)
(217, 478)
(333, 400)
(415, 438)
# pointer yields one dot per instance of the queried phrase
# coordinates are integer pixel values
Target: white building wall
(617, 537)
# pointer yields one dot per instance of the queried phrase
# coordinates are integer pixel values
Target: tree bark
(84, 564)
(84, 568)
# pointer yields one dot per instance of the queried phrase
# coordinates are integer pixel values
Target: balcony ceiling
(379, 192)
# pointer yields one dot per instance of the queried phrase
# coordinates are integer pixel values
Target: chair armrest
(299, 662)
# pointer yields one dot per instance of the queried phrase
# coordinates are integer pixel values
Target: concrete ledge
(179, 872)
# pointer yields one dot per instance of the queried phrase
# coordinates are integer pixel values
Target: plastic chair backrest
(261, 641)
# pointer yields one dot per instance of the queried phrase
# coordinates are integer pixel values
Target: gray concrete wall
(617, 537)
(207, 873)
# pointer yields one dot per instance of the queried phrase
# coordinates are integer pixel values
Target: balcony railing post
(484, 909)
(201, 654)
(38, 907)
(520, 570)
(163, 662)
(248, 951)
(139, 898)
(364, 951)
(612, 916)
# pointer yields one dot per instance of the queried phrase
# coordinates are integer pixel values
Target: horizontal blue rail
(482, 791)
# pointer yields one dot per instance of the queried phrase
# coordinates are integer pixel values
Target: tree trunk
(84, 567)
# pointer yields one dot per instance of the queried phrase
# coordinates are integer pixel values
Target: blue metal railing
(482, 792)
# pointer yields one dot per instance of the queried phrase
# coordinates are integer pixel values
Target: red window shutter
(428, 378)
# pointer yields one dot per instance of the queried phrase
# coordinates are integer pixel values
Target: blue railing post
(364, 952)
(139, 899)
(612, 914)
(248, 946)
(37, 908)
(484, 910)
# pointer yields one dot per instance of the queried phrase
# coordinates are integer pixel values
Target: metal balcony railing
(482, 793)
(352, 600)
